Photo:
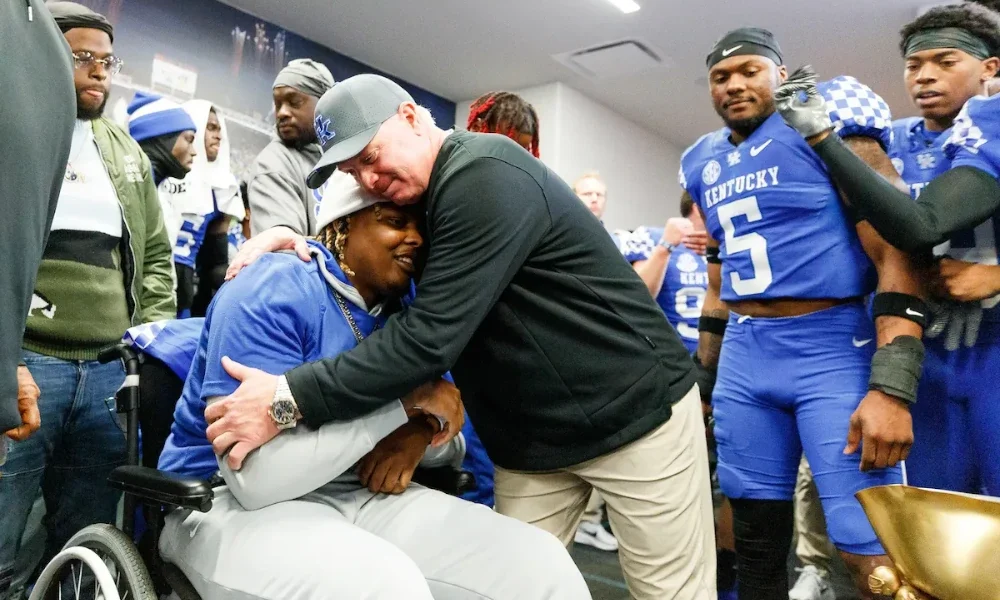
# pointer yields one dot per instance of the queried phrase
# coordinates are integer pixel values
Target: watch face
(283, 412)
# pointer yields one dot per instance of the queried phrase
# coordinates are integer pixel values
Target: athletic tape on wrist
(712, 325)
(896, 368)
(712, 255)
(900, 305)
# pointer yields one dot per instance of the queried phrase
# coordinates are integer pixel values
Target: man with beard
(277, 184)
(106, 267)
(788, 272)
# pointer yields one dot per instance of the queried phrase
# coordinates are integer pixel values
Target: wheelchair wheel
(116, 569)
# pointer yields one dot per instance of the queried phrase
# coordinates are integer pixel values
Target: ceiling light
(626, 6)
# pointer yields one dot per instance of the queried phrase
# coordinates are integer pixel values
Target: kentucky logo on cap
(359, 105)
(323, 132)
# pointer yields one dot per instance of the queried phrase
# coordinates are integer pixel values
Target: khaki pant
(593, 513)
(659, 503)
(813, 546)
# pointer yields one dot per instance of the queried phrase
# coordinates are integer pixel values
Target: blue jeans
(69, 459)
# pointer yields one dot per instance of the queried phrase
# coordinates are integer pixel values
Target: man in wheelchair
(330, 513)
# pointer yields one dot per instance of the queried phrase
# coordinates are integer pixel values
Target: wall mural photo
(186, 49)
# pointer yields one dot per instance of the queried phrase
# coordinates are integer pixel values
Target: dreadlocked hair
(971, 16)
(508, 114)
(334, 238)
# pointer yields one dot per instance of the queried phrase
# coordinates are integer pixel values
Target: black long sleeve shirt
(559, 351)
(958, 199)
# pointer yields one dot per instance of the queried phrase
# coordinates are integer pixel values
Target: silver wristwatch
(283, 407)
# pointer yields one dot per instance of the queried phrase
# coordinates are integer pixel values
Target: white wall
(579, 134)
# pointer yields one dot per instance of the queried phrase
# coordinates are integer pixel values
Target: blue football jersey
(975, 142)
(918, 154)
(191, 237)
(770, 204)
(684, 282)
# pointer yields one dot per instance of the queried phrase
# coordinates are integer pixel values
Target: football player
(803, 368)
(951, 164)
(676, 275)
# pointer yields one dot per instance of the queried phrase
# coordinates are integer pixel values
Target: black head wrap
(745, 41)
(70, 15)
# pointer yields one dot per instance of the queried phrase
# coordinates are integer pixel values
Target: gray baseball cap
(348, 117)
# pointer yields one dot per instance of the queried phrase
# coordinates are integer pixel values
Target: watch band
(283, 395)
(283, 392)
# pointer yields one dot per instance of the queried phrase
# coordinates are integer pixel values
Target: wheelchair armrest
(445, 479)
(162, 488)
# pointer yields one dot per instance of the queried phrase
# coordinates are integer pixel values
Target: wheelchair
(121, 569)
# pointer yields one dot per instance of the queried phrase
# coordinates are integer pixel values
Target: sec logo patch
(710, 174)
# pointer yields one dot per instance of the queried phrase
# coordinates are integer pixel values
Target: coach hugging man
(573, 377)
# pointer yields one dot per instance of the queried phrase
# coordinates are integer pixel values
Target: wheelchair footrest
(162, 488)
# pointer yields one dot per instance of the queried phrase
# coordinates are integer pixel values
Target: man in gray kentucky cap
(574, 379)
(349, 116)
(276, 187)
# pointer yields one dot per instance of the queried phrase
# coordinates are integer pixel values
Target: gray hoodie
(277, 189)
(38, 106)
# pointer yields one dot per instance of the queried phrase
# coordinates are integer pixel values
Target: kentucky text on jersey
(694, 279)
(769, 202)
(738, 185)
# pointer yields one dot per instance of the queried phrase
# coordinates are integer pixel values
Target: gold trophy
(944, 545)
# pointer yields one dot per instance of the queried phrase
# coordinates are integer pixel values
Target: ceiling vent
(613, 59)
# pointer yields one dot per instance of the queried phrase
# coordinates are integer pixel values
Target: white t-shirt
(88, 200)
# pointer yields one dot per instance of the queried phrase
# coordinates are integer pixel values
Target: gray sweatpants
(342, 542)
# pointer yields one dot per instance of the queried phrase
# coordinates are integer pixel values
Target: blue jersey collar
(921, 138)
(725, 143)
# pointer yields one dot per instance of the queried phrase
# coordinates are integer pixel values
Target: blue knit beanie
(151, 115)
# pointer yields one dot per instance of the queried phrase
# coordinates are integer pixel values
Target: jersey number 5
(754, 243)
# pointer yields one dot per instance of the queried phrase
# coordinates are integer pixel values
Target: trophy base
(943, 544)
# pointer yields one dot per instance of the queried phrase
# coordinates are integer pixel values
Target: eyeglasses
(85, 60)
